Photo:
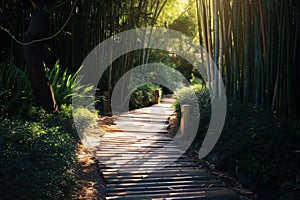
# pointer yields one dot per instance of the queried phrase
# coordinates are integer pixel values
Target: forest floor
(91, 185)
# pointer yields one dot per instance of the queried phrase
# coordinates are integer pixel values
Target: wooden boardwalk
(136, 159)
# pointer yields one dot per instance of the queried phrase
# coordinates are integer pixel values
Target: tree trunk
(33, 53)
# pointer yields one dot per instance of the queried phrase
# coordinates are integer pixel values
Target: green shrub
(144, 96)
(15, 90)
(185, 95)
(37, 157)
(84, 118)
(195, 80)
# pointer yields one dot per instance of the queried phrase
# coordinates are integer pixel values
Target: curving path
(136, 160)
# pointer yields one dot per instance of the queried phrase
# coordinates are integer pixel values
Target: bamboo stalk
(246, 52)
(216, 47)
(221, 33)
(290, 69)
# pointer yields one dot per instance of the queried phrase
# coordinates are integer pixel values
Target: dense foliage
(37, 157)
(258, 147)
(255, 146)
(37, 149)
(15, 90)
(16, 96)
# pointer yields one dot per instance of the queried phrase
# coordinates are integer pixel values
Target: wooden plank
(151, 160)
(171, 175)
(147, 170)
(164, 187)
(139, 146)
(160, 157)
(165, 183)
(135, 165)
(200, 194)
(157, 179)
(163, 171)
(147, 191)
(143, 119)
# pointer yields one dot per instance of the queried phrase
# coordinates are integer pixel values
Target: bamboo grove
(91, 23)
(255, 44)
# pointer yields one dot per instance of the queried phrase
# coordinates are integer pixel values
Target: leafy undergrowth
(257, 146)
(39, 153)
(37, 157)
(15, 90)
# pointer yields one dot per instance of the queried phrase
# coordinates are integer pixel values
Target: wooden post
(157, 97)
(185, 112)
